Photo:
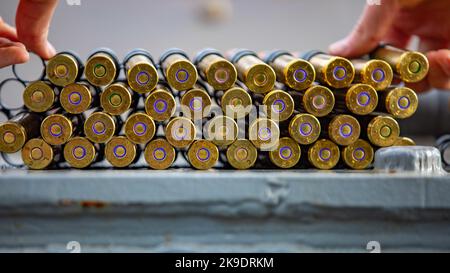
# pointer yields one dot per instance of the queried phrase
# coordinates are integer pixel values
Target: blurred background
(295, 25)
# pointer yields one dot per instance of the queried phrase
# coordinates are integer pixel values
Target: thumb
(374, 23)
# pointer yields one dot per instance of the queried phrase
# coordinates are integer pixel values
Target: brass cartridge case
(242, 154)
(215, 69)
(203, 154)
(195, 103)
(159, 154)
(381, 131)
(278, 104)
(139, 128)
(38, 155)
(304, 128)
(264, 133)
(323, 154)
(76, 98)
(376, 73)
(341, 129)
(317, 100)
(160, 104)
(287, 153)
(221, 130)
(178, 70)
(404, 141)
(359, 99)
(57, 129)
(235, 102)
(120, 152)
(40, 96)
(100, 127)
(400, 102)
(80, 153)
(117, 99)
(18, 130)
(64, 68)
(141, 71)
(102, 67)
(358, 155)
(180, 132)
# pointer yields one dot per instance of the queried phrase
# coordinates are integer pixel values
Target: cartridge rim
(287, 154)
(120, 151)
(142, 77)
(236, 102)
(264, 133)
(242, 154)
(221, 74)
(300, 74)
(196, 104)
(75, 98)
(401, 102)
(37, 154)
(413, 66)
(160, 105)
(159, 154)
(139, 128)
(324, 154)
(39, 97)
(100, 69)
(279, 105)
(116, 99)
(203, 154)
(221, 130)
(339, 72)
(404, 141)
(344, 130)
(383, 131)
(318, 100)
(260, 78)
(62, 69)
(304, 128)
(79, 152)
(56, 129)
(12, 137)
(99, 127)
(185, 134)
(361, 99)
(358, 155)
(378, 74)
(181, 75)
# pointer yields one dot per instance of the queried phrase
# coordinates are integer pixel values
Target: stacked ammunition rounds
(248, 111)
(178, 71)
(215, 69)
(409, 66)
(252, 71)
(333, 71)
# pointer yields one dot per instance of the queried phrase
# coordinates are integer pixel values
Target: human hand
(395, 22)
(33, 21)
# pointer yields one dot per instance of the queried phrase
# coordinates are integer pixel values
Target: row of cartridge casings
(317, 110)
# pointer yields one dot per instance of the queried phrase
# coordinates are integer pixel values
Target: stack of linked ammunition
(243, 109)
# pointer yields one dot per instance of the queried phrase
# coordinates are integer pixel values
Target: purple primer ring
(143, 125)
(160, 150)
(360, 150)
(155, 104)
(269, 133)
(218, 79)
(82, 155)
(98, 132)
(178, 76)
(191, 104)
(361, 95)
(321, 156)
(305, 129)
(403, 107)
(276, 102)
(342, 133)
(60, 128)
(285, 148)
(339, 68)
(208, 154)
(115, 151)
(140, 74)
(75, 102)
(378, 70)
(303, 76)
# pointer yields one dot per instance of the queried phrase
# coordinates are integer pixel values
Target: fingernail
(338, 47)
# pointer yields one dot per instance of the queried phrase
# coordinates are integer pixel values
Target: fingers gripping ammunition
(102, 67)
(38, 155)
(400, 102)
(64, 68)
(252, 71)
(117, 98)
(333, 71)
(323, 154)
(358, 155)
(215, 69)
(80, 153)
(140, 70)
(160, 104)
(40, 96)
(57, 129)
(409, 66)
(296, 73)
(178, 71)
(18, 130)
(203, 154)
(139, 128)
(360, 99)
(287, 153)
(376, 73)
(159, 154)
